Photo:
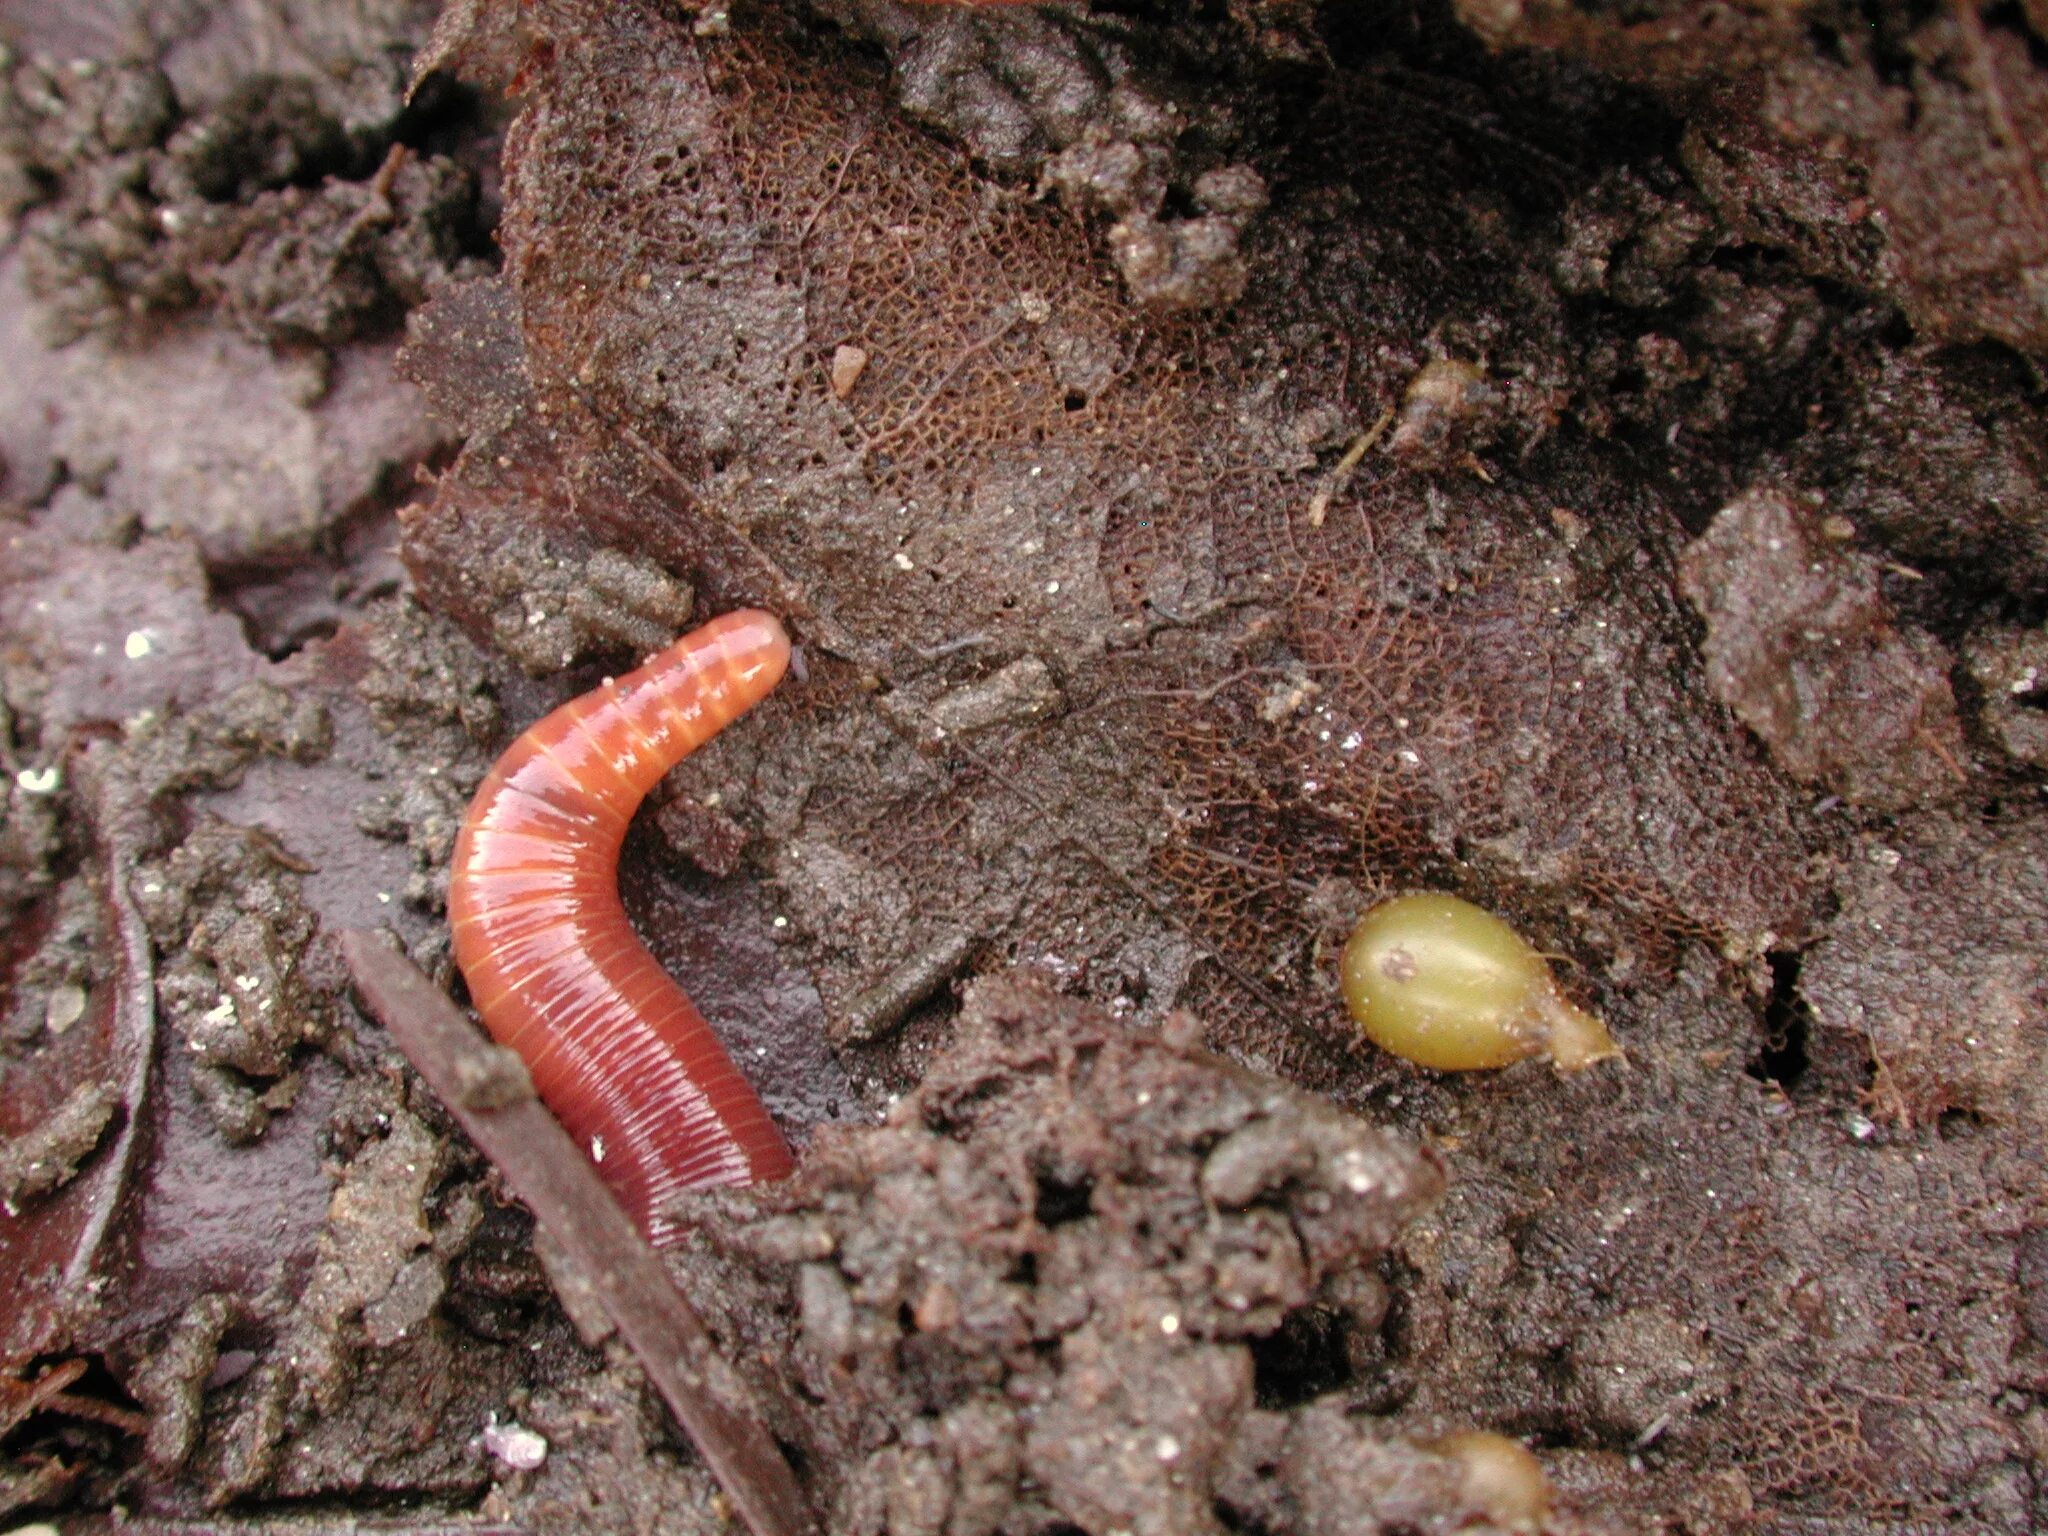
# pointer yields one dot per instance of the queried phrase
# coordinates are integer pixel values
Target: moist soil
(1220, 465)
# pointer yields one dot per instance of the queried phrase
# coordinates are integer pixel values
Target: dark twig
(120, 831)
(119, 834)
(486, 1090)
(377, 210)
(20, 1399)
(36, 1298)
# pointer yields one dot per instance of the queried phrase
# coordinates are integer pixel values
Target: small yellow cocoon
(1445, 984)
(1502, 1480)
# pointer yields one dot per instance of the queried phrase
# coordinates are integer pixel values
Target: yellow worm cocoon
(1448, 985)
(1502, 1481)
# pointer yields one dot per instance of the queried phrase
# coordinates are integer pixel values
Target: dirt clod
(233, 932)
(1803, 646)
(172, 1382)
(45, 1158)
(264, 203)
(1076, 1217)
(301, 1423)
(1929, 970)
(553, 612)
(2010, 667)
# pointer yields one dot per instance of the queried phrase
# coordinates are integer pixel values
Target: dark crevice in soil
(1787, 1019)
(286, 605)
(1060, 1202)
(1306, 1357)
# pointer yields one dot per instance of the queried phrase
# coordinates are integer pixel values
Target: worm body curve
(616, 1049)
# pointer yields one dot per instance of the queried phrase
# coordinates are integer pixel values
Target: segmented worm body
(615, 1048)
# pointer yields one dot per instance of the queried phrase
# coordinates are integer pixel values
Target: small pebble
(515, 1445)
(64, 1009)
(848, 363)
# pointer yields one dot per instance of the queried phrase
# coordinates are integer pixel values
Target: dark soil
(1220, 464)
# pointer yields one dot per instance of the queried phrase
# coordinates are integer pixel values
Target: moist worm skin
(616, 1049)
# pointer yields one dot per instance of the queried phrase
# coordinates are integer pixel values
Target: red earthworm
(616, 1049)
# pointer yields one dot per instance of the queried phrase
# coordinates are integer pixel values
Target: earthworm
(615, 1048)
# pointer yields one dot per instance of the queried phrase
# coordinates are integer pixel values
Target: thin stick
(1319, 504)
(485, 1088)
